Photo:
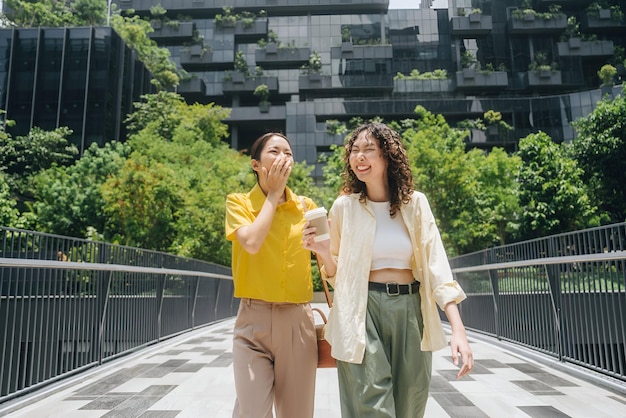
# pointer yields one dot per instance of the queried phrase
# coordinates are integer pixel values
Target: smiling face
(367, 160)
(276, 147)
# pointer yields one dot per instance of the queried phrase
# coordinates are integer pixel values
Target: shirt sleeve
(237, 214)
(335, 215)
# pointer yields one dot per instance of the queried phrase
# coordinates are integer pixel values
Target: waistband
(394, 289)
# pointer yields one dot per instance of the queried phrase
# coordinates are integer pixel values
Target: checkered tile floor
(190, 376)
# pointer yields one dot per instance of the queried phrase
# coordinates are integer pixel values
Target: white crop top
(392, 244)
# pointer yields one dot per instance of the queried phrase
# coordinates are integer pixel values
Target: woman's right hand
(278, 174)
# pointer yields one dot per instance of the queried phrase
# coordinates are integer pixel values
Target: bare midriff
(401, 276)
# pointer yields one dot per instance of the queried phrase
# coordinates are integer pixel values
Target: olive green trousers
(394, 377)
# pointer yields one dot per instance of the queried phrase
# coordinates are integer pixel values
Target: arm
(458, 342)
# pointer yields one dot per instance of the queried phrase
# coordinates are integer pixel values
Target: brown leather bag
(324, 359)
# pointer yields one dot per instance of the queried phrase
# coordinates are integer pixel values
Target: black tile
(618, 399)
(465, 412)
(133, 407)
(213, 352)
(189, 368)
(536, 387)
(526, 368)
(440, 384)
(451, 399)
(224, 360)
(491, 364)
(159, 414)
(543, 412)
(552, 380)
(157, 390)
(107, 402)
(450, 375)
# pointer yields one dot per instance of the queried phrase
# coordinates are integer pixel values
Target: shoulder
(346, 200)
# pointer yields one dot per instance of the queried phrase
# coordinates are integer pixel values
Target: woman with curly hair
(389, 270)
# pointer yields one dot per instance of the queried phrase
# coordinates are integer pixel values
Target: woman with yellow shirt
(389, 270)
(274, 341)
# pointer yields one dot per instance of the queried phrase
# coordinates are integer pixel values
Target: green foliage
(134, 31)
(607, 74)
(240, 63)
(8, 206)
(600, 150)
(24, 156)
(616, 12)
(68, 200)
(541, 63)
(553, 197)
(437, 74)
(262, 92)
(314, 65)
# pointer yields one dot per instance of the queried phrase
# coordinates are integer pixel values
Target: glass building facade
(84, 78)
(532, 62)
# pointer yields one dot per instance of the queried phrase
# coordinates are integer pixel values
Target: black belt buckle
(388, 286)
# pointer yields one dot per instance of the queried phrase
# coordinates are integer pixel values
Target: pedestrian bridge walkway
(191, 376)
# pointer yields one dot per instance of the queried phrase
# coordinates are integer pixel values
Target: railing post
(103, 293)
(493, 277)
(554, 281)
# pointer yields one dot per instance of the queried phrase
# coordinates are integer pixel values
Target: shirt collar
(257, 198)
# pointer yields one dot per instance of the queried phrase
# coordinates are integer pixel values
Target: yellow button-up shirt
(352, 228)
(281, 270)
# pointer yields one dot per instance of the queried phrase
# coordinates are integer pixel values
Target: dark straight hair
(259, 144)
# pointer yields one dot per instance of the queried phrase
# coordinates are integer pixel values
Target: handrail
(610, 256)
(72, 265)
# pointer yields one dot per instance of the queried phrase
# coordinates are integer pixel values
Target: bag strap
(319, 263)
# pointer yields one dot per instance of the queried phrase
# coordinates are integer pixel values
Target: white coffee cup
(317, 217)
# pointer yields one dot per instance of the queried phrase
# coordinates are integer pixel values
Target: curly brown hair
(398, 169)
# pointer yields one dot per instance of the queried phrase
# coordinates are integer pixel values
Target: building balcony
(245, 33)
(533, 25)
(193, 85)
(171, 32)
(475, 24)
(410, 86)
(544, 78)
(471, 79)
(249, 84)
(319, 86)
(279, 58)
(574, 47)
(256, 113)
(603, 21)
(362, 52)
(196, 58)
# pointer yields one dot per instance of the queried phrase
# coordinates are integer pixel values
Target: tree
(134, 31)
(24, 156)
(600, 150)
(90, 12)
(50, 13)
(553, 197)
(68, 200)
(8, 210)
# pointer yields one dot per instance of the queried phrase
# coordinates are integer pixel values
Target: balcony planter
(191, 85)
(434, 86)
(271, 48)
(469, 73)
(544, 78)
(474, 24)
(603, 21)
(524, 26)
(183, 31)
(249, 85)
(282, 58)
(264, 107)
(482, 80)
(251, 32)
(586, 48)
(238, 77)
(315, 76)
(574, 43)
(346, 47)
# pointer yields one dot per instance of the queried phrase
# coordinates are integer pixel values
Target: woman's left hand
(309, 243)
(461, 348)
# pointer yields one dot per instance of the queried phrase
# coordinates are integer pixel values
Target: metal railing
(563, 295)
(69, 304)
